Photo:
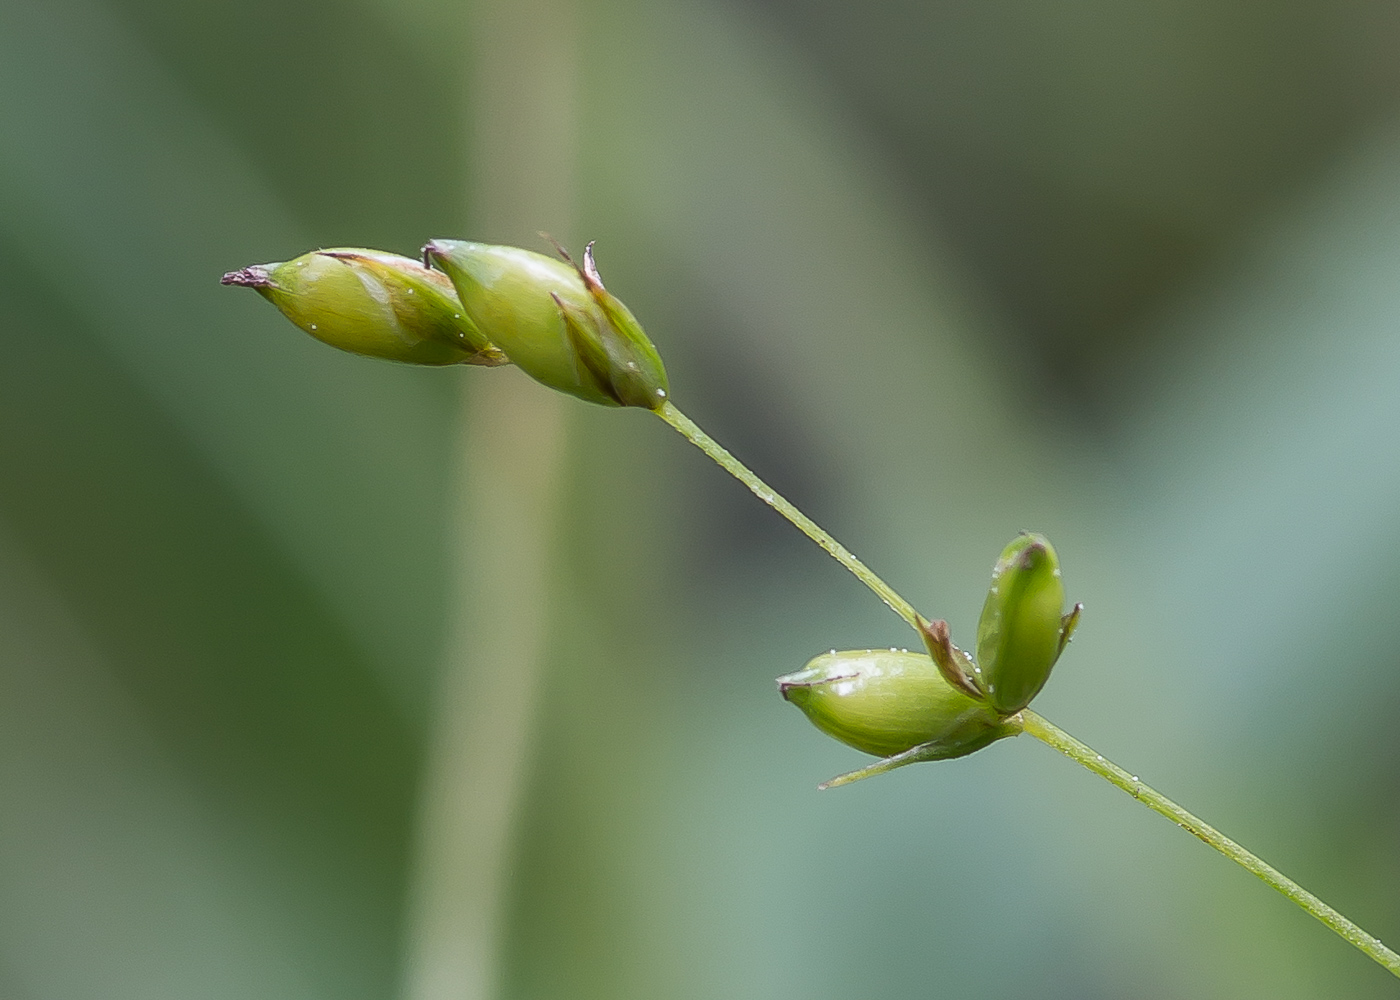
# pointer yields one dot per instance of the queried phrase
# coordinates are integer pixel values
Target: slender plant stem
(783, 506)
(1053, 736)
(1036, 725)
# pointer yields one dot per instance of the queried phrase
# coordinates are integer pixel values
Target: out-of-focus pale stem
(522, 104)
(485, 706)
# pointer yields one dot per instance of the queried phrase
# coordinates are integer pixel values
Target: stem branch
(783, 506)
(1038, 727)
(1053, 736)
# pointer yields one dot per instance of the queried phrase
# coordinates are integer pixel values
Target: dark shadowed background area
(1125, 274)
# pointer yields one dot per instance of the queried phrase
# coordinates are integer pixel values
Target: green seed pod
(1023, 627)
(555, 321)
(886, 702)
(373, 303)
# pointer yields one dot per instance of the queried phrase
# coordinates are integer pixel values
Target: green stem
(1053, 736)
(783, 506)
(1035, 725)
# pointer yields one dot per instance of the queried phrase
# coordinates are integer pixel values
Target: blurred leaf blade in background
(223, 666)
(939, 273)
(267, 409)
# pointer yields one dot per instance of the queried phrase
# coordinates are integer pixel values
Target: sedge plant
(481, 304)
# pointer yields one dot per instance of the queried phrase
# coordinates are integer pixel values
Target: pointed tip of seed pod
(432, 250)
(786, 686)
(587, 270)
(951, 661)
(590, 267)
(249, 277)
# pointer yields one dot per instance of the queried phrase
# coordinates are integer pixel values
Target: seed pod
(556, 321)
(373, 303)
(1023, 628)
(885, 702)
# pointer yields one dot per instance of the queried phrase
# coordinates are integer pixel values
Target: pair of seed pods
(487, 305)
(943, 704)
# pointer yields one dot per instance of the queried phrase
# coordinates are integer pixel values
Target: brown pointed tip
(786, 687)
(952, 662)
(431, 250)
(563, 311)
(938, 631)
(590, 268)
(249, 277)
(1032, 554)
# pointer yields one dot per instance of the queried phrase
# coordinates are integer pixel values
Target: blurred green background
(1126, 274)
